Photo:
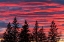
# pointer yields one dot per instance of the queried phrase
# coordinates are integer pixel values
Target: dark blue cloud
(58, 1)
(46, 7)
(22, 0)
(15, 8)
(7, 0)
(16, 1)
(51, 7)
(36, 0)
(3, 24)
(49, 13)
(8, 8)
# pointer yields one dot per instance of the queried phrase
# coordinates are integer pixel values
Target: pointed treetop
(53, 22)
(36, 23)
(15, 23)
(9, 25)
(15, 20)
(25, 22)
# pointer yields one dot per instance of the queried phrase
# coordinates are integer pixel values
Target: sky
(44, 11)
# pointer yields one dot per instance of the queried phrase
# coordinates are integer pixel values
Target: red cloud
(28, 12)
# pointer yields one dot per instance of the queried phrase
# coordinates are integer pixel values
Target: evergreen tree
(14, 30)
(41, 35)
(53, 34)
(35, 32)
(24, 35)
(15, 23)
(7, 35)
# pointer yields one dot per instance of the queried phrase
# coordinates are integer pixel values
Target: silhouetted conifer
(24, 35)
(8, 35)
(35, 32)
(53, 35)
(41, 35)
(14, 30)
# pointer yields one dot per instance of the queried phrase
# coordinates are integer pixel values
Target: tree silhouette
(14, 30)
(53, 34)
(12, 35)
(35, 32)
(24, 35)
(7, 35)
(41, 35)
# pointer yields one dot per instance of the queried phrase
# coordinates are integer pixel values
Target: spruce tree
(41, 35)
(14, 30)
(35, 32)
(53, 35)
(24, 35)
(7, 35)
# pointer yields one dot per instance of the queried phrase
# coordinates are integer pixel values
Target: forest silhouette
(37, 35)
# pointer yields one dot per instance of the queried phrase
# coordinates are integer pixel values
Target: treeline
(12, 34)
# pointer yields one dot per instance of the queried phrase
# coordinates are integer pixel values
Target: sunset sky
(44, 11)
